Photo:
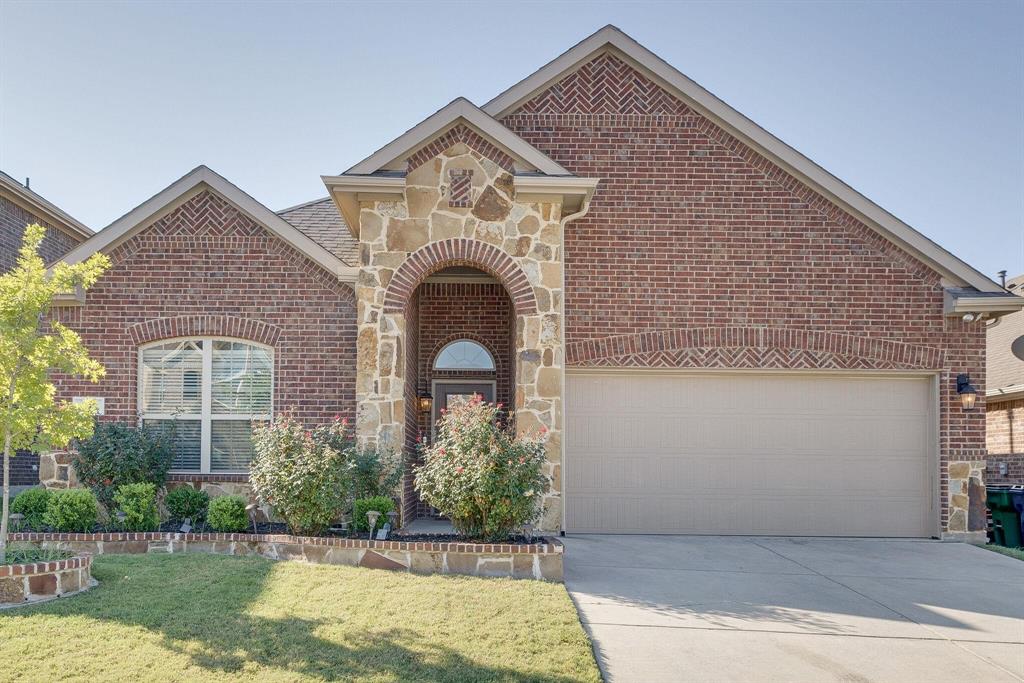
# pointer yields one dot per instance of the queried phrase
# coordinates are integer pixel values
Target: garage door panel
(759, 454)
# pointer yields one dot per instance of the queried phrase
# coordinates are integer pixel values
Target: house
(20, 207)
(1004, 397)
(716, 335)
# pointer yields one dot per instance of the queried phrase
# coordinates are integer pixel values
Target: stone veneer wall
(536, 561)
(405, 241)
(21, 583)
(699, 253)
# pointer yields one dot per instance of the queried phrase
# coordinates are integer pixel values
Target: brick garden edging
(37, 581)
(537, 561)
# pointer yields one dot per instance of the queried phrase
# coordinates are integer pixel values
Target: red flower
(543, 429)
(337, 417)
(458, 470)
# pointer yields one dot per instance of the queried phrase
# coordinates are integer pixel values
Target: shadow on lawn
(201, 606)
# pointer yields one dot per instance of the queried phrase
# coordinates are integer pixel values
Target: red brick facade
(56, 243)
(13, 219)
(206, 268)
(1005, 442)
(696, 237)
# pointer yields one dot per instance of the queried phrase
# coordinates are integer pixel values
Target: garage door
(740, 453)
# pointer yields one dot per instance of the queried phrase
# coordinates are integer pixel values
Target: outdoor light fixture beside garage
(968, 394)
(426, 401)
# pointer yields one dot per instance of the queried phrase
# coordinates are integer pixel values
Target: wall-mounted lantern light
(968, 394)
(426, 402)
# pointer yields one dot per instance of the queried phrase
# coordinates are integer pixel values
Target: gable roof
(45, 209)
(197, 180)
(320, 220)
(457, 111)
(612, 39)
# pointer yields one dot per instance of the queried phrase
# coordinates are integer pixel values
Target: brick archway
(459, 252)
(200, 325)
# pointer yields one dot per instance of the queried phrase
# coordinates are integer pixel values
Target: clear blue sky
(920, 106)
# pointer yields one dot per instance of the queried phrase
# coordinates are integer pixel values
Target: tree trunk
(7, 497)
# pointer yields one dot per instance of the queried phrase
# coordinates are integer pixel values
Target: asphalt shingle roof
(322, 223)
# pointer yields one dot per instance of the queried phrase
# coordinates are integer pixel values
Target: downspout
(584, 209)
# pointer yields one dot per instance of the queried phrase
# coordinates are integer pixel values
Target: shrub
(227, 514)
(303, 474)
(374, 473)
(186, 501)
(480, 475)
(138, 502)
(119, 454)
(381, 504)
(71, 510)
(32, 503)
(26, 553)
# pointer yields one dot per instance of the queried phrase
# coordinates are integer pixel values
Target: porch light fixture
(426, 402)
(968, 394)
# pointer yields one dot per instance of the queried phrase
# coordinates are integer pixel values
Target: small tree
(31, 348)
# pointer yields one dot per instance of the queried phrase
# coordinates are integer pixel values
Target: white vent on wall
(100, 402)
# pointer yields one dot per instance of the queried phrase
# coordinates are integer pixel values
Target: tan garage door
(743, 453)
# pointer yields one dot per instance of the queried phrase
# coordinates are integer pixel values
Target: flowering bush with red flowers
(304, 475)
(480, 475)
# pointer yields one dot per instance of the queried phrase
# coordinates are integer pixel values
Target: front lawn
(1017, 553)
(210, 617)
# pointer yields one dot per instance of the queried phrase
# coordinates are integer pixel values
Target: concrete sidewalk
(688, 608)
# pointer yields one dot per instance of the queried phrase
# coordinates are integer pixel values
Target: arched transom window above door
(464, 354)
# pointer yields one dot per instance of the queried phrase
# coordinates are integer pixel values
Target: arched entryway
(460, 323)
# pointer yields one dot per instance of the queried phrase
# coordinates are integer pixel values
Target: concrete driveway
(692, 608)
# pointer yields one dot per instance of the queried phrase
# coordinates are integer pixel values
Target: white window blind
(209, 391)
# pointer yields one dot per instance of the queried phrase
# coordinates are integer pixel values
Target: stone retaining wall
(21, 583)
(538, 561)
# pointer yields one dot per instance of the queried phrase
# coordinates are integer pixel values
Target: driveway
(693, 608)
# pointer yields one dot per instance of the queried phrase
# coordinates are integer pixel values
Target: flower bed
(541, 560)
(36, 581)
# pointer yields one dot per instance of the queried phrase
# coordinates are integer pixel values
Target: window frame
(461, 340)
(206, 416)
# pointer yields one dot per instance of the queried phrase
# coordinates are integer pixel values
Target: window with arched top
(464, 354)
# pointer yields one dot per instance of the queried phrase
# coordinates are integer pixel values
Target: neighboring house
(716, 335)
(1004, 397)
(19, 207)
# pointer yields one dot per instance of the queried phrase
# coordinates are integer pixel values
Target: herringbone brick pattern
(207, 269)
(606, 85)
(470, 138)
(210, 216)
(751, 347)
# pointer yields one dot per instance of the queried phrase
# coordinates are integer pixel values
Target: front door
(451, 394)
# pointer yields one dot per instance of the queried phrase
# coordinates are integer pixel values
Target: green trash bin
(1005, 517)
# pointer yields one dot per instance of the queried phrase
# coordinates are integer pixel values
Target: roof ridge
(303, 205)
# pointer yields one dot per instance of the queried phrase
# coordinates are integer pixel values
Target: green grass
(1017, 553)
(216, 618)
